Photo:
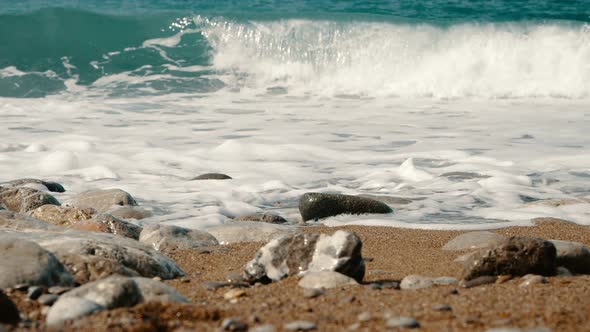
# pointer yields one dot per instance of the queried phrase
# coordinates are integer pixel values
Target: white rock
(70, 308)
(326, 279)
(416, 282)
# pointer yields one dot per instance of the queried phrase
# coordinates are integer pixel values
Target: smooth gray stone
(51, 186)
(300, 325)
(303, 252)
(474, 240)
(515, 256)
(68, 308)
(212, 176)
(21, 199)
(326, 279)
(155, 291)
(25, 262)
(130, 212)
(103, 200)
(416, 282)
(574, 256)
(315, 206)
(167, 237)
(47, 299)
(110, 293)
(407, 322)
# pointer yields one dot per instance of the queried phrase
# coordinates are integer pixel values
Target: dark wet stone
(212, 176)
(233, 324)
(483, 280)
(574, 256)
(263, 217)
(294, 254)
(34, 292)
(23, 199)
(58, 290)
(25, 262)
(8, 311)
(51, 186)
(516, 256)
(390, 200)
(314, 206)
(461, 176)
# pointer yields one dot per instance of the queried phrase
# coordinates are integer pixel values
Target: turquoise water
(51, 47)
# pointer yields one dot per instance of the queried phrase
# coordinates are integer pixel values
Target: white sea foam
(463, 164)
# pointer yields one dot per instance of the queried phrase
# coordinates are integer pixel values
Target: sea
(464, 114)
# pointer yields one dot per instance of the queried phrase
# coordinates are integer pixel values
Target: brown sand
(562, 305)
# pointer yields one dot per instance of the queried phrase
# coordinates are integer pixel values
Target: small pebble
(354, 327)
(34, 292)
(47, 299)
(235, 277)
(453, 291)
(478, 281)
(347, 299)
(156, 278)
(300, 325)
(365, 316)
(264, 328)
(407, 322)
(313, 292)
(234, 294)
(375, 286)
(58, 290)
(234, 324)
(563, 272)
(503, 278)
(442, 307)
(533, 279)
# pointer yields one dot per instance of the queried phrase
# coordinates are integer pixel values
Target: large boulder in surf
(103, 200)
(516, 256)
(314, 206)
(22, 199)
(62, 215)
(301, 253)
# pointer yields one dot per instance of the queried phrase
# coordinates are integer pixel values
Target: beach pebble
(167, 237)
(8, 311)
(303, 252)
(34, 292)
(25, 262)
(70, 308)
(563, 272)
(110, 293)
(364, 316)
(23, 200)
(474, 240)
(233, 324)
(32, 183)
(264, 328)
(314, 206)
(483, 280)
(300, 325)
(267, 217)
(106, 223)
(403, 322)
(416, 282)
(103, 200)
(515, 256)
(442, 307)
(212, 176)
(574, 256)
(130, 212)
(234, 294)
(47, 299)
(62, 215)
(326, 280)
(445, 281)
(58, 290)
(531, 279)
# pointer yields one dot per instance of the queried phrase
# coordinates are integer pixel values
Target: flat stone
(8, 311)
(574, 256)
(443, 281)
(315, 206)
(212, 176)
(70, 308)
(47, 299)
(233, 324)
(234, 294)
(166, 238)
(264, 328)
(310, 293)
(403, 322)
(48, 185)
(442, 307)
(247, 231)
(58, 290)
(300, 325)
(267, 217)
(303, 252)
(326, 280)
(531, 279)
(103, 200)
(130, 212)
(416, 282)
(106, 223)
(110, 293)
(154, 291)
(21, 199)
(516, 256)
(483, 280)
(25, 262)
(62, 215)
(474, 240)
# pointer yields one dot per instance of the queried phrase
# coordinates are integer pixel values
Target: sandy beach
(563, 304)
